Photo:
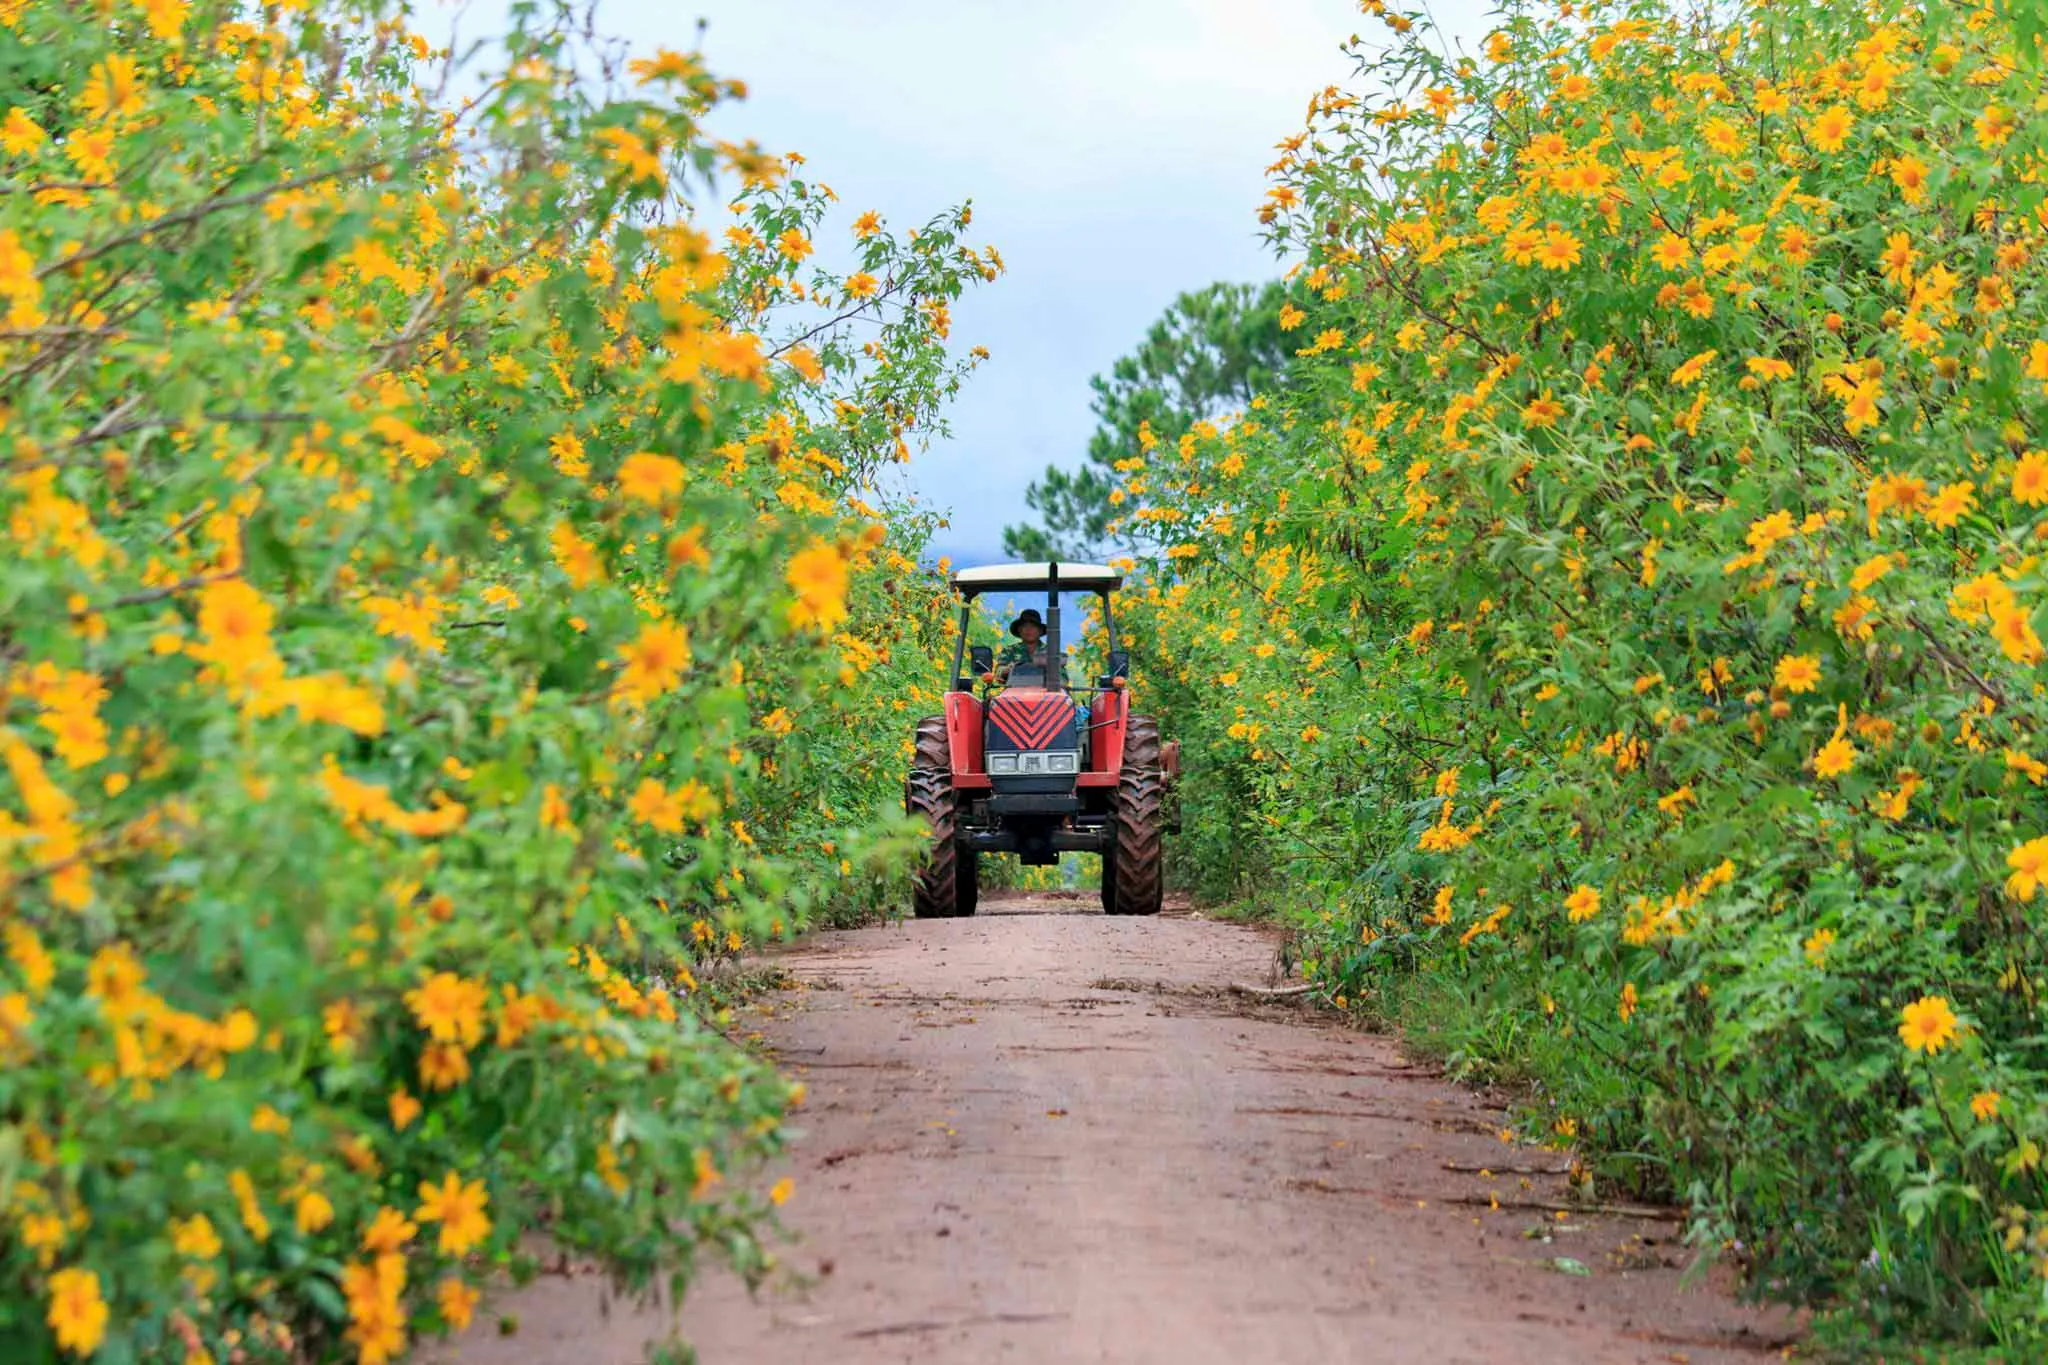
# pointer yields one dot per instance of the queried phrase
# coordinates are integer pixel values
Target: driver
(1029, 650)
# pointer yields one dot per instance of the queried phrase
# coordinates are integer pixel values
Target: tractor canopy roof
(1037, 574)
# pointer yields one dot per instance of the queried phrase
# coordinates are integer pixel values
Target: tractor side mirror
(980, 659)
(1119, 669)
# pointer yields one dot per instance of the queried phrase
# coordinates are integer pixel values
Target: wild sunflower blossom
(458, 1207)
(1927, 1025)
(2029, 869)
(650, 478)
(818, 575)
(449, 1008)
(652, 663)
(1797, 673)
(1582, 904)
(77, 1313)
(1834, 758)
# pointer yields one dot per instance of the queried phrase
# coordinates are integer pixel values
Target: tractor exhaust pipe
(1054, 664)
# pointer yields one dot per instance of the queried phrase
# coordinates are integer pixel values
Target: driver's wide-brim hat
(1030, 615)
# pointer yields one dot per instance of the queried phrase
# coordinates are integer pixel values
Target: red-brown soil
(1046, 1135)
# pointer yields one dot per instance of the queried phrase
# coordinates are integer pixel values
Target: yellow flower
(313, 1212)
(2013, 627)
(654, 662)
(77, 1313)
(1798, 673)
(793, 245)
(1560, 250)
(631, 154)
(647, 477)
(665, 65)
(20, 134)
(1984, 1105)
(2030, 479)
(567, 448)
(457, 1302)
(449, 1007)
(1817, 945)
(1836, 757)
(1582, 904)
(1909, 173)
(443, 1066)
(165, 17)
(2029, 864)
(818, 575)
(688, 549)
(1671, 252)
(459, 1209)
(1542, 412)
(411, 618)
(1994, 126)
(112, 92)
(374, 1294)
(388, 1232)
(554, 810)
(577, 558)
(194, 1237)
(1831, 129)
(1952, 503)
(28, 954)
(1692, 369)
(1927, 1025)
(91, 150)
(249, 1205)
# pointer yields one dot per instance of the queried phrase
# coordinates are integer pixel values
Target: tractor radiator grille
(1030, 720)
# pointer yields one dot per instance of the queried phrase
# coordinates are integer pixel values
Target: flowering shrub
(1624, 620)
(439, 617)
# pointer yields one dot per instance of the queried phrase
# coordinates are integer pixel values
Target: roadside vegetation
(442, 613)
(1618, 628)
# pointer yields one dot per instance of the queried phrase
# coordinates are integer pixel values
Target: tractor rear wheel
(1134, 867)
(941, 890)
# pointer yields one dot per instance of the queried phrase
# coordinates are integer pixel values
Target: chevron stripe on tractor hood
(1030, 720)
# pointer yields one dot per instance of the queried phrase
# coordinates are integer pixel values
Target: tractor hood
(1028, 720)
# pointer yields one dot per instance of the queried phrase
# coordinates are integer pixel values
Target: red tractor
(1035, 766)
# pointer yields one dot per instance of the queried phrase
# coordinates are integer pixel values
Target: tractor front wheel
(945, 885)
(1133, 871)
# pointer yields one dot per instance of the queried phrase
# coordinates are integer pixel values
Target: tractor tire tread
(935, 890)
(1139, 864)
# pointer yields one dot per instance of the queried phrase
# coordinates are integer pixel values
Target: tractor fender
(964, 733)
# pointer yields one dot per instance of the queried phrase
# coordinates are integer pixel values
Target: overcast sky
(1114, 150)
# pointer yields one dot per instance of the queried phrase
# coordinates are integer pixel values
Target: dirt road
(1045, 1135)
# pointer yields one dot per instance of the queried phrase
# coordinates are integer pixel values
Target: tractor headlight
(1015, 765)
